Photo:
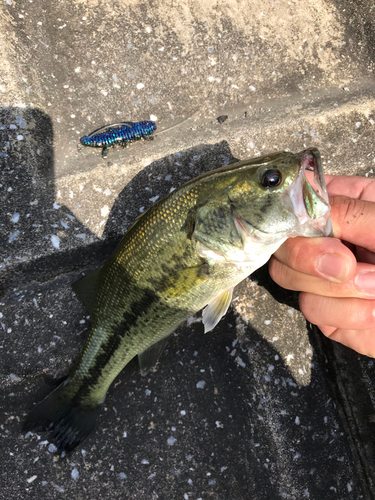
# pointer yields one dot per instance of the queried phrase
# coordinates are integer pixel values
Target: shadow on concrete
(351, 383)
(358, 18)
(241, 423)
(34, 215)
(281, 295)
(29, 204)
(235, 434)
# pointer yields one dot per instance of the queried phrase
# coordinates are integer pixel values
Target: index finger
(361, 188)
(353, 220)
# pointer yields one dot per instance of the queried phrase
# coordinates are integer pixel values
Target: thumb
(353, 221)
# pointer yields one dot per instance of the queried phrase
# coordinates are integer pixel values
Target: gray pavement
(263, 407)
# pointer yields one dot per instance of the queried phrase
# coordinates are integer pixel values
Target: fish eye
(271, 178)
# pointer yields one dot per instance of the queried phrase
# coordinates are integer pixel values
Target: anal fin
(216, 309)
(149, 357)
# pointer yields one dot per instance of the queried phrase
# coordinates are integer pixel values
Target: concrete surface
(282, 413)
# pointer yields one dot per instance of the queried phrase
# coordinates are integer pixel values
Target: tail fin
(62, 413)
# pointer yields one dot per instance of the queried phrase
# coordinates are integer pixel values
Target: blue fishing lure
(118, 133)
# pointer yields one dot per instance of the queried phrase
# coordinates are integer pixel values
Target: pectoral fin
(149, 357)
(216, 309)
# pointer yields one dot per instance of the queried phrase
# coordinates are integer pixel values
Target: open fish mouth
(314, 188)
(309, 197)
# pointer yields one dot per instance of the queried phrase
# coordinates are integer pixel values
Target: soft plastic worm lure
(118, 133)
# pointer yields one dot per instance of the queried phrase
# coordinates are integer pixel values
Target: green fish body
(187, 252)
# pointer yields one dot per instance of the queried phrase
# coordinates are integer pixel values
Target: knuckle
(362, 313)
(279, 272)
(347, 211)
(332, 288)
(307, 308)
(274, 269)
(296, 255)
(328, 331)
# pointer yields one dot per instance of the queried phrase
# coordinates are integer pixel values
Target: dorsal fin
(149, 357)
(216, 309)
(86, 288)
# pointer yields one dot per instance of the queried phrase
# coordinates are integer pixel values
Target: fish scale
(135, 259)
(186, 252)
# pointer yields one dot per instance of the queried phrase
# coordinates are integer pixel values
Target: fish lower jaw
(317, 227)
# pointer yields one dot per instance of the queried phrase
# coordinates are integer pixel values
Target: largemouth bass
(187, 252)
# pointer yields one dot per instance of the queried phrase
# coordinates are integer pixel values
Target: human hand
(337, 280)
